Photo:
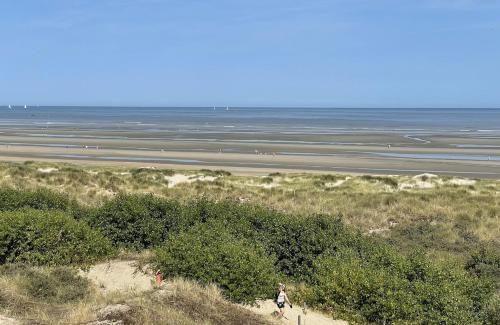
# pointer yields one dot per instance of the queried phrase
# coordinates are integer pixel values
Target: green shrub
(491, 313)
(151, 171)
(296, 241)
(138, 221)
(266, 180)
(484, 262)
(209, 254)
(244, 249)
(417, 290)
(40, 199)
(57, 285)
(345, 284)
(202, 210)
(383, 179)
(330, 178)
(49, 238)
(215, 173)
(143, 177)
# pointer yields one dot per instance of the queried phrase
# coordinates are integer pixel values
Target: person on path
(281, 298)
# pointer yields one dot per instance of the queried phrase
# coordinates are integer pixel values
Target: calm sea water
(265, 120)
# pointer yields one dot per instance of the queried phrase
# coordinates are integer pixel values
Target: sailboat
(25, 107)
(10, 107)
(227, 108)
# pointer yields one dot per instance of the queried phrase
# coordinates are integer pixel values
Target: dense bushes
(137, 221)
(344, 270)
(297, 241)
(491, 312)
(418, 291)
(246, 249)
(49, 238)
(349, 286)
(41, 199)
(484, 262)
(210, 254)
(294, 240)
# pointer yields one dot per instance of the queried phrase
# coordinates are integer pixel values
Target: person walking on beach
(281, 298)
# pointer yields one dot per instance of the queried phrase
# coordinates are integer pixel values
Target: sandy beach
(259, 158)
(259, 140)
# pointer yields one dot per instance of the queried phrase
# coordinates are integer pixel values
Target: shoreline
(387, 152)
(342, 161)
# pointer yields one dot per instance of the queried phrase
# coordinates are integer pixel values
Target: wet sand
(245, 154)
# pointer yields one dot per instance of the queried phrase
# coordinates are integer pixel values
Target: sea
(455, 141)
(476, 122)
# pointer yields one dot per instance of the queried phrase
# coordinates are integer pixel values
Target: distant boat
(227, 108)
(25, 106)
(10, 107)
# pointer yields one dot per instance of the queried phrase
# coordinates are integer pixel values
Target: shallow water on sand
(437, 156)
(364, 140)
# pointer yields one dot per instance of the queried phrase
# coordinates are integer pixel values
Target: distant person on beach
(281, 298)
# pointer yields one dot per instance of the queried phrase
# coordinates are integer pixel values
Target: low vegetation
(384, 206)
(58, 285)
(435, 268)
(58, 295)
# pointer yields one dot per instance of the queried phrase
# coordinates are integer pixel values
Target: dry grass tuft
(181, 302)
(203, 305)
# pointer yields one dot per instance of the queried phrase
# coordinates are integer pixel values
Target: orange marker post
(158, 278)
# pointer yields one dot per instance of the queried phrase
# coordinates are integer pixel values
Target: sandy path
(268, 307)
(119, 276)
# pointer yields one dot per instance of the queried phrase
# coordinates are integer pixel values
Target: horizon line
(246, 106)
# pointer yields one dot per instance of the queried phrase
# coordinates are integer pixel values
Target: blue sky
(349, 53)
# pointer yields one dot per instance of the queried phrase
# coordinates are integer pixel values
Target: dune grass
(47, 295)
(404, 209)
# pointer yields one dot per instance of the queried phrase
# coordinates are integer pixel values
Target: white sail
(25, 106)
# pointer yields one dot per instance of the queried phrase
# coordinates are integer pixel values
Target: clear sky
(349, 53)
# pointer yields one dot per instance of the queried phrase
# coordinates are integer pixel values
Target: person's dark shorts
(281, 305)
